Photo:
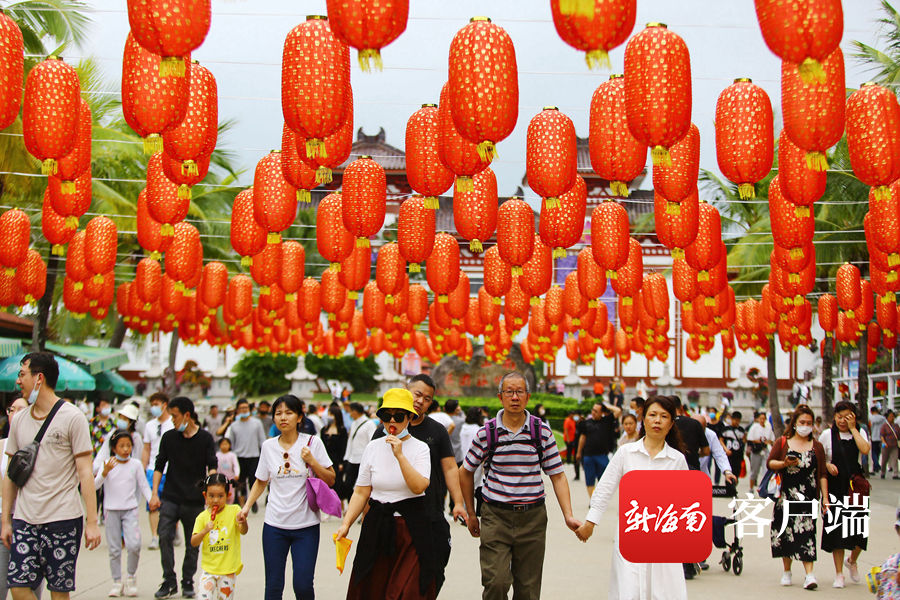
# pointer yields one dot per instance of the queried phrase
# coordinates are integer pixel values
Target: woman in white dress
(661, 449)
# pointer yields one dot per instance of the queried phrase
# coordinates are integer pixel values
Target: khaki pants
(889, 460)
(512, 552)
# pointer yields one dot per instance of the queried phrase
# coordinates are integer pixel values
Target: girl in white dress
(659, 449)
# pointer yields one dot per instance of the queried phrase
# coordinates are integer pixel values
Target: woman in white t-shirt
(393, 476)
(290, 525)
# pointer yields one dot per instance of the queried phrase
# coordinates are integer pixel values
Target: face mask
(402, 434)
(122, 424)
(183, 426)
(120, 459)
(255, 413)
(542, 412)
(106, 411)
(576, 418)
(156, 410)
(244, 416)
(804, 430)
(32, 397)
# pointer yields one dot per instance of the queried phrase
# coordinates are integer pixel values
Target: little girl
(228, 465)
(219, 532)
(122, 478)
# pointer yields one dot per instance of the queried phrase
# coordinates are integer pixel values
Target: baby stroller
(733, 554)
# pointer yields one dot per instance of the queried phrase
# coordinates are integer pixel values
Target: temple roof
(389, 157)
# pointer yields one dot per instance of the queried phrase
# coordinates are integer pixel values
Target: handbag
(319, 495)
(770, 486)
(21, 464)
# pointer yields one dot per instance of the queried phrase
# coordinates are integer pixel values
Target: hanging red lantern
(484, 84)
(310, 300)
(788, 229)
(515, 233)
(167, 203)
(334, 149)
(171, 29)
(684, 281)
(213, 285)
(364, 199)
(814, 112)
(334, 294)
(595, 28)
(475, 211)
(629, 276)
(847, 282)
(802, 33)
(172, 169)
(415, 232)
(873, 137)
(374, 311)
(239, 297)
(368, 26)
(148, 281)
(293, 267)
(442, 267)
(76, 202)
(265, 268)
(185, 255)
(551, 154)
(315, 78)
(297, 172)
(456, 153)
(610, 236)
(74, 298)
(677, 230)
(706, 249)
(799, 183)
(31, 276)
(537, 272)
(390, 270)
(591, 277)
(12, 70)
(497, 274)
(333, 240)
(426, 173)
(248, 238)
(195, 136)
(458, 299)
(76, 267)
(77, 162)
(55, 228)
(50, 113)
(658, 89)
(562, 227)
(274, 198)
(417, 303)
(356, 270)
(151, 102)
(488, 309)
(744, 135)
(615, 155)
(882, 224)
(101, 238)
(677, 179)
(574, 302)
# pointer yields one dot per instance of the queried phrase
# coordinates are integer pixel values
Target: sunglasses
(395, 417)
(287, 462)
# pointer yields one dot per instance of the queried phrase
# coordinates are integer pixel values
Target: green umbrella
(72, 377)
(112, 381)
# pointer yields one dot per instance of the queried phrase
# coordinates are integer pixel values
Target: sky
(244, 47)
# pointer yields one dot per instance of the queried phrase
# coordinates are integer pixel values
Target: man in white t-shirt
(362, 428)
(153, 432)
(759, 439)
(443, 418)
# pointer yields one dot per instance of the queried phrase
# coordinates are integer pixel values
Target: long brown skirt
(393, 577)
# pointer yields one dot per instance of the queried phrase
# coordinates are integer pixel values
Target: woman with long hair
(800, 459)
(334, 436)
(659, 449)
(630, 431)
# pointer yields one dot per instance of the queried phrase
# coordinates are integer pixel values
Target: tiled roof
(392, 159)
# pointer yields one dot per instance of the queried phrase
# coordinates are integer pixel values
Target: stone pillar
(154, 375)
(220, 392)
(303, 383)
(573, 383)
(388, 377)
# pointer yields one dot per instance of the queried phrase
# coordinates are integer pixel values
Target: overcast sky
(244, 47)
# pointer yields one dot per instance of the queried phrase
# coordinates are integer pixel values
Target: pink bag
(319, 495)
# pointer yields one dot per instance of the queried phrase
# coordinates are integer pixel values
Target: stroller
(733, 554)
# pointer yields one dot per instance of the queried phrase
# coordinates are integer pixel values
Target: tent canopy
(72, 377)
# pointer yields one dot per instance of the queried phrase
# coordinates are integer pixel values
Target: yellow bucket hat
(397, 398)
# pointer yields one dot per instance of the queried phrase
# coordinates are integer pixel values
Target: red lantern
(374, 311)
(457, 154)
(615, 154)
(334, 149)
(458, 299)
(591, 278)
(873, 137)
(814, 112)
(676, 230)
(442, 267)
(803, 33)
(364, 199)
(166, 202)
(77, 162)
(248, 238)
(658, 89)
(684, 281)
(12, 70)
(334, 294)
(274, 198)
(31, 276)
(101, 239)
(310, 300)
(213, 285)
(390, 270)
(415, 232)
(610, 236)
(171, 29)
(882, 224)
(799, 183)
(368, 26)
(55, 228)
(148, 281)
(417, 304)
(744, 136)
(74, 204)
(574, 301)
(848, 288)
(315, 78)
(74, 298)
(629, 276)
(475, 211)
(185, 255)
(597, 28)
(562, 227)
(706, 249)
(51, 111)
(76, 267)
(356, 269)
(676, 180)
(426, 173)
(551, 154)
(333, 240)
(537, 272)
(497, 274)
(195, 137)
(788, 229)
(293, 268)
(515, 233)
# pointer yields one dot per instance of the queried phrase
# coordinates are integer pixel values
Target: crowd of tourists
(397, 468)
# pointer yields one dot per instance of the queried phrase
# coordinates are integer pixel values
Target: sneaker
(154, 543)
(166, 590)
(704, 566)
(810, 582)
(116, 590)
(130, 588)
(838, 581)
(187, 590)
(854, 570)
(786, 578)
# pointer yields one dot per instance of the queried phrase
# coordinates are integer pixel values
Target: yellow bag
(342, 548)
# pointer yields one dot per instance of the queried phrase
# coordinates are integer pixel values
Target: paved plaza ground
(572, 570)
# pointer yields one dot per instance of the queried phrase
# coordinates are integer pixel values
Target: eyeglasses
(395, 417)
(511, 393)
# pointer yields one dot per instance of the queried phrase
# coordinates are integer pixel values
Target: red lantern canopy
(563, 226)
(847, 282)
(195, 137)
(77, 162)
(788, 229)
(426, 173)
(497, 274)
(595, 27)
(803, 33)
(50, 113)
(315, 78)
(442, 267)
(248, 238)
(368, 26)
(814, 112)
(456, 153)
(684, 281)
(484, 84)
(615, 155)
(551, 154)
(873, 137)
(537, 273)
(676, 180)
(458, 299)
(658, 89)
(165, 200)
(12, 70)
(274, 198)
(415, 232)
(101, 239)
(475, 211)
(54, 227)
(744, 135)
(364, 199)
(184, 256)
(334, 294)
(293, 268)
(591, 277)
(310, 300)
(610, 236)
(574, 301)
(515, 233)
(239, 297)
(171, 29)
(799, 183)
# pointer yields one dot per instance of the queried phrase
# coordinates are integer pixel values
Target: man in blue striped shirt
(513, 526)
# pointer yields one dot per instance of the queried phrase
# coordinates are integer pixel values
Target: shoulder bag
(770, 486)
(319, 495)
(21, 464)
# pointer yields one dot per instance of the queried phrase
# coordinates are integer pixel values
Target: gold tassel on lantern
(172, 66)
(48, 167)
(619, 188)
(433, 203)
(184, 191)
(323, 175)
(796, 253)
(677, 253)
(71, 222)
(673, 208)
(68, 187)
(335, 267)
(475, 246)
(463, 184)
(597, 59)
(189, 168)
(303, 196)
(882, 192)
(273, 238)
(442, 299)
(58, 250)
(661, 157)
(811, 71)
(315, 147)
(487, 151)
(246, 261)
(801, 212)
(559, 252)
(746, 191)
(370, 54)
(816, 161)
(362, 242)
(153, 143)
(551, 202)
(415, 268)
(166, 230)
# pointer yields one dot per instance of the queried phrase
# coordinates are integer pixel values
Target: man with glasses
(514, 447)
(444, 472)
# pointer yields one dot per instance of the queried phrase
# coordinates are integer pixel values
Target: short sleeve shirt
(380, 470)
(287, 507)
(220, 550)
(51, 493)
(734, 438)
(153, 433)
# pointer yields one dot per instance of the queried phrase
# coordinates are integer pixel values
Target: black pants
(571, 449)
(169, 515)
(876, 456)
(441, 532)
(348, 482)
(248, 475)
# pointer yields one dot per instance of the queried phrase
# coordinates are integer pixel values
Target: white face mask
(804, 430)
(33, 396)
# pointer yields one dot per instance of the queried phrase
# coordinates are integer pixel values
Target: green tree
(257, 373)
(360, 373)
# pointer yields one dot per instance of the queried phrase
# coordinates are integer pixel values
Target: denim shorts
(162, 482)
(48, 551)
(594, 465)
